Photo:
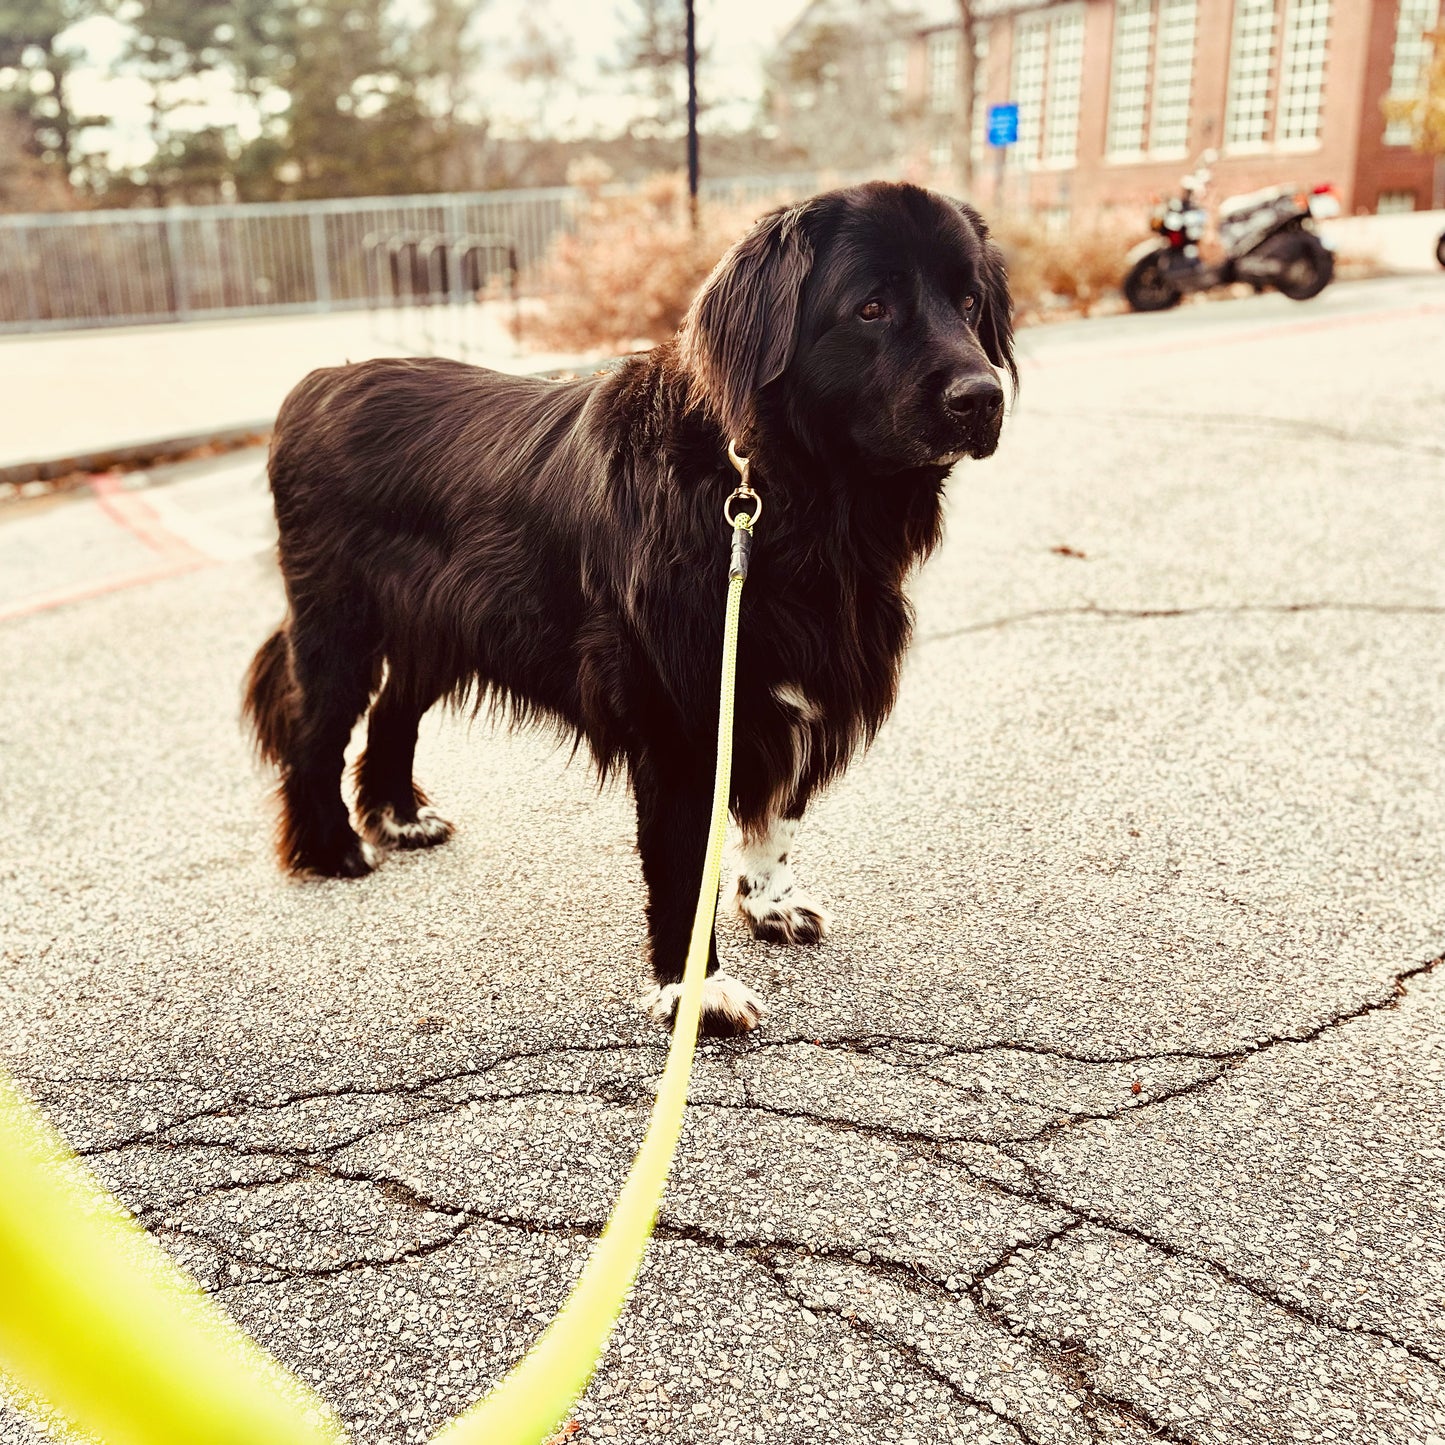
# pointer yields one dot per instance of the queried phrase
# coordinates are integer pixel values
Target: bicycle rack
(411, 274)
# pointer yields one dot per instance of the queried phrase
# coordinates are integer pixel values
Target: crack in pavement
(1039, 1196)
(1070, 1360)
(1095, 1400)
(1145, 614)
(628, 1091)
(867, 1043)
(239, 1104)
(910, 1353)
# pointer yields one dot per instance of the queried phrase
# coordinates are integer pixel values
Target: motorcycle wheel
(1307, 267)
(1440, 249)
(1147, 287)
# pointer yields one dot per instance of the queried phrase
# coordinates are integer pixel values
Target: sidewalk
(84, 394)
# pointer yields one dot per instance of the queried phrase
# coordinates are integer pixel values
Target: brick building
(1116, 97)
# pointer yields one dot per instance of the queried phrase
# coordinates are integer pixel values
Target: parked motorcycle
(1269, 238)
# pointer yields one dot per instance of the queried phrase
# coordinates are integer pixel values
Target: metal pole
(176, 266)
(320, 265)
(692, 163)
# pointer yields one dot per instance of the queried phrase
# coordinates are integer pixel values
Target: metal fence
(183, 263)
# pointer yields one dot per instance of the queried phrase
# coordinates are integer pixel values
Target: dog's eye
(970, 301)
(872, 310)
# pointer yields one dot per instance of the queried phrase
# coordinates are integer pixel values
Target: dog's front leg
(673, 807)
(772, 903)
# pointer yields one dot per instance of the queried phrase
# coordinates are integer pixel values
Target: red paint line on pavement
(1196, 342)
(130, 510)
(134, 515)
(44, 601)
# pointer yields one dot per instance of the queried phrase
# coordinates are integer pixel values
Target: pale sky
(739, 33)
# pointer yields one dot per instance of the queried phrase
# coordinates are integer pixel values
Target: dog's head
(874, 320)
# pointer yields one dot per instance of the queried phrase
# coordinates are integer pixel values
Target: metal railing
(182, 263)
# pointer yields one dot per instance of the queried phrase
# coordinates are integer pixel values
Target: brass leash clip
(742, 522)
(742, 493)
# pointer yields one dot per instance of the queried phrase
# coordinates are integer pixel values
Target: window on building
(1031, 68)
(895, 70)
(1302, 71)
(1392, 203)
(1048, 65)
(940, 154)
(1056, 221)
(1251, 64)
(1173, 78)
(943, 70)
(1412, 55)
(1066, 80)
(1129, 83)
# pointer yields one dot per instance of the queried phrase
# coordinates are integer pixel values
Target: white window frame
(895, 74)
(1030, 75)
(1048, 78)
(1302, 74)
(1066, 87)
(1247, 113)
(1173, 79)
(1412, 54)
(943, 71)
(1057, 221)
(1129, 79)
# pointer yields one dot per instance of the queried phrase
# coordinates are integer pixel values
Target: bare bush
(1068, 275)
(627, 274)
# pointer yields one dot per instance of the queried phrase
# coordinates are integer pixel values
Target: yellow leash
(97, 1321)
(527, 1406)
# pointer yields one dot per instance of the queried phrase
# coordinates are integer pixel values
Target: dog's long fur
(557, 550)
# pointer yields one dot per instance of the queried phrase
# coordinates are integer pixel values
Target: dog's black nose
(973, 398)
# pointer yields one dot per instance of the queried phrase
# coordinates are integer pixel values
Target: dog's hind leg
(392, 809)
(334, 665)
(672, 824)
(772, 904)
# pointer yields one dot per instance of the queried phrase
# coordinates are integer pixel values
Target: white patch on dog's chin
(948, 459)
(724, 999)
(768, 896)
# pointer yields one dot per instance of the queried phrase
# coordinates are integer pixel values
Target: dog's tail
(271, 697)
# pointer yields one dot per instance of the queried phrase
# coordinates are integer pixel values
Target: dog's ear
(996, 324)
(741, 329)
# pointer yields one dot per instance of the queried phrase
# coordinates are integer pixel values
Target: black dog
(558, 550)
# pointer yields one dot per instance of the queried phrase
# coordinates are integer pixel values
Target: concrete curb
(131, 454)
(167, 448)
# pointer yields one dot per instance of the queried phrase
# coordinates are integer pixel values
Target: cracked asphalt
(1112, 1111)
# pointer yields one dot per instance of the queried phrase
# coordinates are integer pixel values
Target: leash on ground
(528, 1405)
(99, 1324)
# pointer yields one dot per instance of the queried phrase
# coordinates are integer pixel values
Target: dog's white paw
(383, 829)
(780, 914)
(768, 897)
(729, 1006)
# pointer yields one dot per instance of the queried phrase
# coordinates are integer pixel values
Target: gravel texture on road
(1112, 1111)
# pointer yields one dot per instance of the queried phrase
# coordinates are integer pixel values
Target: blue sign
(1003, 124)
